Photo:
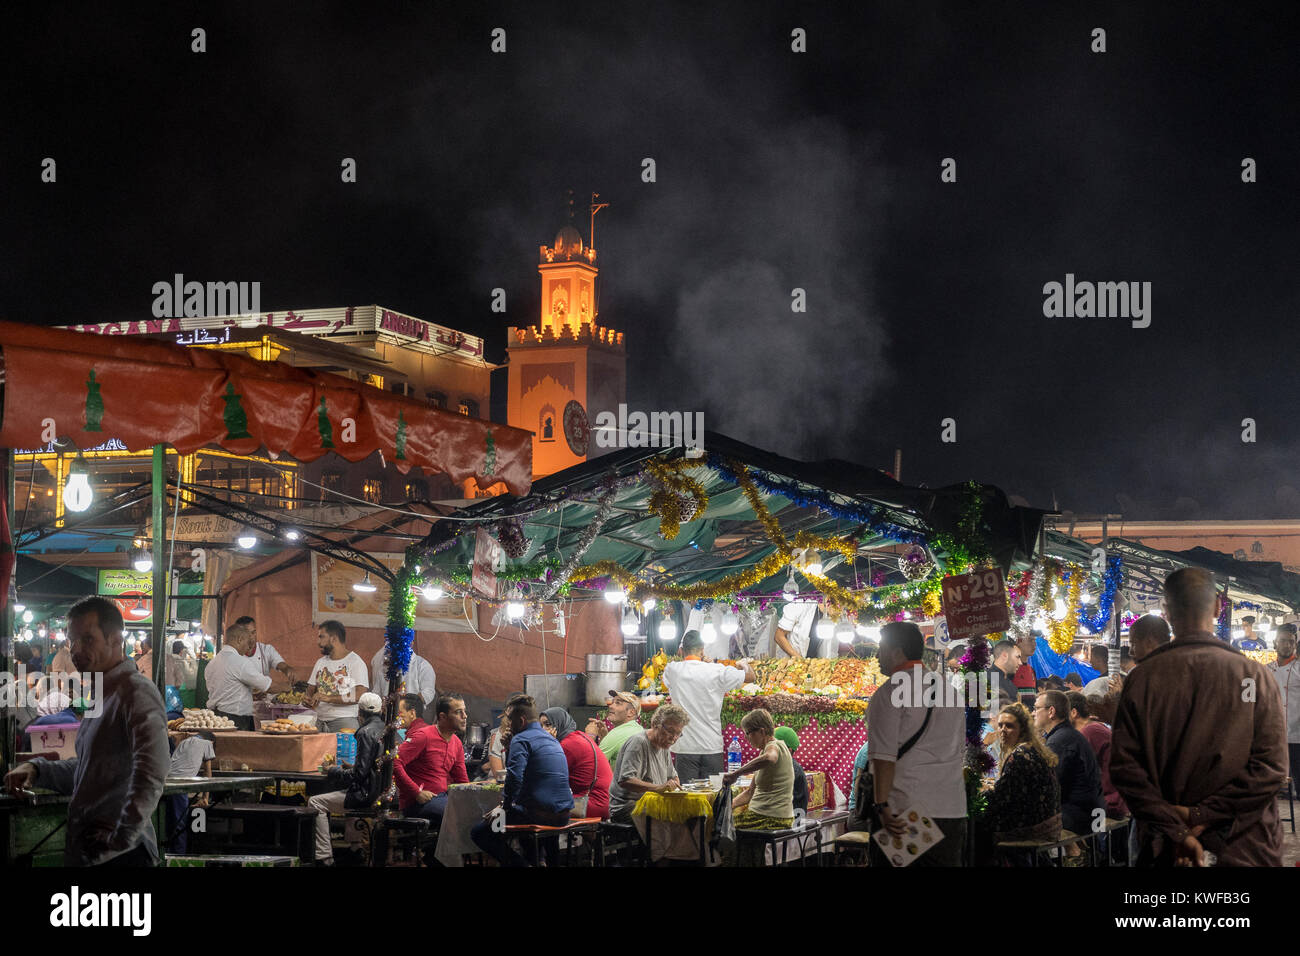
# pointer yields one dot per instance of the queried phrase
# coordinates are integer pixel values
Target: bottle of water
(733, 755)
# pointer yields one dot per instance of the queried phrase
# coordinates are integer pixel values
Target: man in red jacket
(431, 757)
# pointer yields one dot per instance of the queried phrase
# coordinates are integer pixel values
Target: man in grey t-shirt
(644, 765)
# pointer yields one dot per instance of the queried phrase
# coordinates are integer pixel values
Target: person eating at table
(589, 771)
(791, 740)
(622, 711)
(360, 784)
(431, 758)
(768, 801)
(536, 788)
(644, 765)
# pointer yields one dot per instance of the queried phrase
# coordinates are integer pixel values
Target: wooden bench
(622, 840)
(418, 828)
(801, 833)
(244, 827)
(534, 832)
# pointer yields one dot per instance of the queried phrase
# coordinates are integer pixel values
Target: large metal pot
(605, 672)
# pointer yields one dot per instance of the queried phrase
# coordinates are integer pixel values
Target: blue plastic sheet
(1047, 663)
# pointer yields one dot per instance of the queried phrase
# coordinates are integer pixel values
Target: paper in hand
(922, 834)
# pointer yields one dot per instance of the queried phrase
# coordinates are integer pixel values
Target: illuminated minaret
(567, 357)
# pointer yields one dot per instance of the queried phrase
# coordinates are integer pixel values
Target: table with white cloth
(466, 805)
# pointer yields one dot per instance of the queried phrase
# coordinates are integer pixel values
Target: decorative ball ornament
(916, 563)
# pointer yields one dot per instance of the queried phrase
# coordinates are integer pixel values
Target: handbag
(865, 816)
(580, 803)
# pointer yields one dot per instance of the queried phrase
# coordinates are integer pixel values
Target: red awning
(92, 388)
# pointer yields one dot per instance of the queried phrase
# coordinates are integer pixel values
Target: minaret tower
(567, 359)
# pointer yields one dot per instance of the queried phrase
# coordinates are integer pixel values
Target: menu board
(333, 597)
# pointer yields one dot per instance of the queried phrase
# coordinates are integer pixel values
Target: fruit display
(285, 726)
(826, 677)
(1264, 657)
(196, 719)
(293, 697)
(652, 673)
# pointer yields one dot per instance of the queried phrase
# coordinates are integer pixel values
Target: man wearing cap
(791, 740)
(697, 686)
(622, 711)
(361, 782)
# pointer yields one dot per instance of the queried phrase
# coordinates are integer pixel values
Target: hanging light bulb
(812, 562)
(615, 594)
(142, 560)
(844, 631)
(514, 610)
(825, 628)
(708, 632)
(293, 534)
(364, 585)
(432, 592)
(791, 590)
(27, 617)
(19, 608)
(730, 623)
(1060, 610)
(630, 624)
(77, 493)
(1085, 597)
(667, 631)
(246, 539)
(649, 604)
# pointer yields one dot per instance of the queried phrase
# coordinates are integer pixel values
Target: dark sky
(775, 170)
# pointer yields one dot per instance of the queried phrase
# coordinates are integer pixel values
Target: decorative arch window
(469, 407)
(559, 302)
(372, 489)
(1257, 548)
(547, 426)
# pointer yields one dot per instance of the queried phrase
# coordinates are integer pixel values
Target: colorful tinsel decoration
(805, 498)
(1106, 601)
(1060, 634)
(1222, 627)
(677, 497)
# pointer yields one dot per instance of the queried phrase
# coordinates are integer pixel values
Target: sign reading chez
(975, 604)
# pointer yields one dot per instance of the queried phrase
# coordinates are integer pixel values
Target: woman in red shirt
(589, 771)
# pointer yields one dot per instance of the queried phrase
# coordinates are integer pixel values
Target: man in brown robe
(1199, 746)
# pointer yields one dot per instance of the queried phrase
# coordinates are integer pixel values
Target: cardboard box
(295, 752)
(55, 738)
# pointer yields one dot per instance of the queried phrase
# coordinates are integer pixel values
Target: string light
(730, 623)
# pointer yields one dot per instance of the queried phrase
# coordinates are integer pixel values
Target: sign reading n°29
(975, 604)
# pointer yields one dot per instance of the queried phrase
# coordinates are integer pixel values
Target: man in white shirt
(266, 656)
(1287, 671)
(697, 686)
(928, 776)
(338, 679)
(419, 676)
(793, 634)
(233, 678)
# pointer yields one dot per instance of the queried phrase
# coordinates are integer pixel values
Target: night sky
(775, 170)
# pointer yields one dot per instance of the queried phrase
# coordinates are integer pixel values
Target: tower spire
(570, 205)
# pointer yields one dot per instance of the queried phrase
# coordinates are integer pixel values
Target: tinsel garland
(676, 497)
(1060, 634)
(916, 564)
(1023, 626)
(966, 547)
(1106, 601)
(584, 542)
(978, 760)
(871, 517)
(1222, 627)
(401, 619)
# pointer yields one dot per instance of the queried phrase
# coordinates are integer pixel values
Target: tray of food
(286, 726)
(200, 719)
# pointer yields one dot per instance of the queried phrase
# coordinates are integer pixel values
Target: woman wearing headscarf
(589, 771)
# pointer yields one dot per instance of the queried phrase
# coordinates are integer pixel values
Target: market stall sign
(131, 591)
(975, 604)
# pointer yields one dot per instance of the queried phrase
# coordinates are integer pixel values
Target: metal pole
(1112, 656)
(161, 602)
(8, 719)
